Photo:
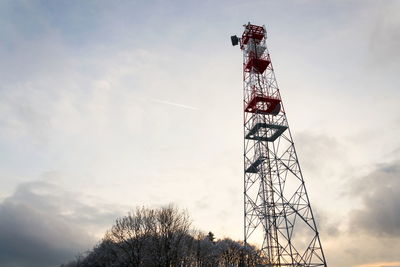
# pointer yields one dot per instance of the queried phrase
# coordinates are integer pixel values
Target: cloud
(369, 235)
(380, 214)
(381, 264)
(361, 249)
(320, 154)
(76, 77)
(44, 225)
(385, 37)
(327, 226)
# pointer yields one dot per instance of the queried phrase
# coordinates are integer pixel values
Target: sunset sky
(109, 105)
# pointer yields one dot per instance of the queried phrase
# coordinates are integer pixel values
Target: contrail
(174, 104)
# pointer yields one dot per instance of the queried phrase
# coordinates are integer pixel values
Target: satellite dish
(234, 40)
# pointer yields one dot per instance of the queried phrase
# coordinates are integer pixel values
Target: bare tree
(130, 233)
(171, 236)
(164, 238)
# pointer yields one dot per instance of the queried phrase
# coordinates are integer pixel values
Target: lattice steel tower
(277, 211)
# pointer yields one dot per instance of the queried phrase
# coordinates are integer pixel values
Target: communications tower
(277, 212)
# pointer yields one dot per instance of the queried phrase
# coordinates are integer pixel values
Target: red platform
(264, 105)
(252, 32)
(259, 64)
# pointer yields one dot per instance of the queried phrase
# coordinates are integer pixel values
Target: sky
(110, 105)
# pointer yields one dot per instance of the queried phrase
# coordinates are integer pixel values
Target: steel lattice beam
(277, 211)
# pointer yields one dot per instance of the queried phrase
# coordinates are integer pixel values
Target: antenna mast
(277, 211)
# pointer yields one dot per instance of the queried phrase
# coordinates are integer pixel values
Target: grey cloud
(320, 153)
(385, 36)
(44, 225)
(31, 238)
(380, 214)
(327, 225)
(370, 234)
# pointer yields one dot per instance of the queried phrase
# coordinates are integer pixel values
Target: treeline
(163, 237)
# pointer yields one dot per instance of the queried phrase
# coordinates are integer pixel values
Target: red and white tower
(277, 212)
